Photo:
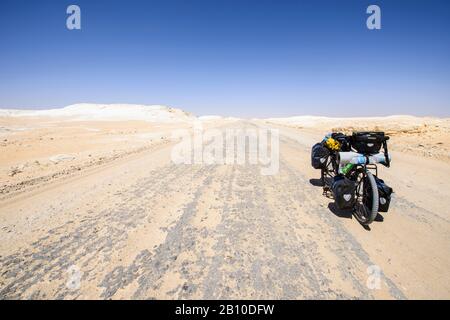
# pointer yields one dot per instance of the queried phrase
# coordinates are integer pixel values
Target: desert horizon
(17, 110)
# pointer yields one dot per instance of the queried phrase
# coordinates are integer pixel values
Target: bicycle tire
(375, 198)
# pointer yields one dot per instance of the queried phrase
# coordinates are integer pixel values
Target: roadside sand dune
(40, 145)
(96, 190)
(426, 136)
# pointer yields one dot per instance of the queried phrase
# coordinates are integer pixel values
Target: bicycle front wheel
(366, 211)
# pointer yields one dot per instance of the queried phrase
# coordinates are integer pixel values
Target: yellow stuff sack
(332, 144)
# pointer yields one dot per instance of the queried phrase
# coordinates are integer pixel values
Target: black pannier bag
(367, 142)
(319, 156)
(344, 192)
(384, 195)
(343, 140)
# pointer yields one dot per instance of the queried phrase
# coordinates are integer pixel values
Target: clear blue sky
(243, 58)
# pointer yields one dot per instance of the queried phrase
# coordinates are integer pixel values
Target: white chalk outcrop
(107, 112)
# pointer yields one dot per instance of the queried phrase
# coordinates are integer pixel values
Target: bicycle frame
(332, 161)
(327, 173)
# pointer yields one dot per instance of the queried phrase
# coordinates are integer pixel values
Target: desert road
(143, 227)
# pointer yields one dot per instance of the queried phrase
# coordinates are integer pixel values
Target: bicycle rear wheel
(364, 211)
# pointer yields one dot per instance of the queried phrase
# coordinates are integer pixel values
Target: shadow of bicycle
(345, 214)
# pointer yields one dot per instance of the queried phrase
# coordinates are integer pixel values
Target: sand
(101, 196)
